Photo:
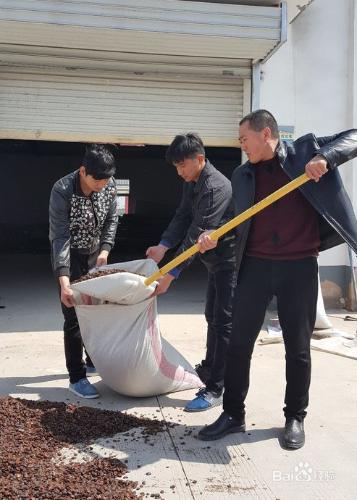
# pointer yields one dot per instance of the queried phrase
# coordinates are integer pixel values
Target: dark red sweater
(287, 229)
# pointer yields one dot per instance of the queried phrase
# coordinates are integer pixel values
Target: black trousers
(73, 344)
(295, 285)
(218, 312)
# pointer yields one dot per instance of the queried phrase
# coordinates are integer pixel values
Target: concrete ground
(247, 466)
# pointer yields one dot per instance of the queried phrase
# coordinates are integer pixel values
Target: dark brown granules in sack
(31, 435)
(99, 274)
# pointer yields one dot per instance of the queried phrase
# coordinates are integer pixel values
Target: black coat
(337, 220)
(77, 222)
(205, 204)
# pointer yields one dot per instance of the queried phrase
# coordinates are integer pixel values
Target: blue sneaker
(84, 389)
(204, 400)
(91, 371)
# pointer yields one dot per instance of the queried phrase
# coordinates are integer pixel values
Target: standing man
(206, 204)
(277, 255)
(83, 223)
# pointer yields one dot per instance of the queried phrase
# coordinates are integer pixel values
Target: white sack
(121, 288)
(322, 320)
(124, 341)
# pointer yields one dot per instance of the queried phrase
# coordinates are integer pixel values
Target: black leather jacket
(80, 223)
(205, 204)
(337, 220)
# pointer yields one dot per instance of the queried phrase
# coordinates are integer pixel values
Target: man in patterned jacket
(83, 222)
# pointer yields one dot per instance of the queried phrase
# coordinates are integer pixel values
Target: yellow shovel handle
(299, 181)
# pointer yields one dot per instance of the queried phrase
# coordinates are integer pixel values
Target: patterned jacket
(85, 224)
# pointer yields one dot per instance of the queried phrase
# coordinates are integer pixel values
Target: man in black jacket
(277, 255)
(206, 204)
(83, 223)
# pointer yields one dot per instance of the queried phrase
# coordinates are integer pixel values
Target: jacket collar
(206, 171)
(77, 185)
(280, 152)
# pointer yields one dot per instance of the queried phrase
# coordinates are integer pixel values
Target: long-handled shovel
(299, 181)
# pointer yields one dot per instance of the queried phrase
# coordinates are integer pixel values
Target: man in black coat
(206, 204)
(277, 256)
(83, 222)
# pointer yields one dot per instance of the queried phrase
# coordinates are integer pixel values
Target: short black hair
(184, 146)
(99, 161)
(260, 119)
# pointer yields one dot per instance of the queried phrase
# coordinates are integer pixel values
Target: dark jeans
(295, 285)
(73, 345)
(219, 298)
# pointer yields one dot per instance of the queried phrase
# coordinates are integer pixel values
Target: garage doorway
(30, 168)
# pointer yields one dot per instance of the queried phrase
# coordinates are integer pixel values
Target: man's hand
(156, 253)
(163, 285)
(316, 168)
(205, 242)
(66, 292)
(102, 258)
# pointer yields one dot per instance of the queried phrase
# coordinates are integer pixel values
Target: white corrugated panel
(130, 71)
(88, 105)
(144, 26)
(120, 61)
(266, 3)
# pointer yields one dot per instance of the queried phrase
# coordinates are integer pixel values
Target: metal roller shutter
(127, 108)
(129, 71)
